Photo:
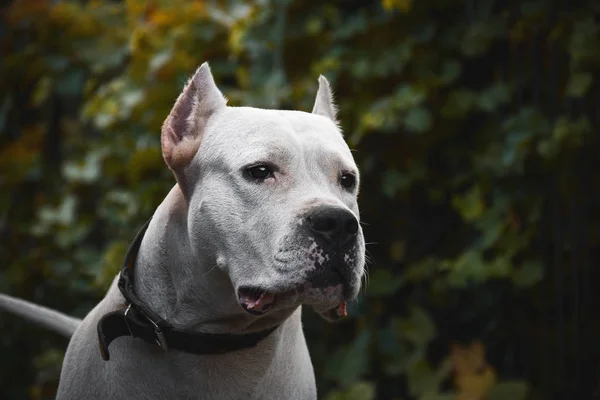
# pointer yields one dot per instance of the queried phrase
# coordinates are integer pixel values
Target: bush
(474, 127)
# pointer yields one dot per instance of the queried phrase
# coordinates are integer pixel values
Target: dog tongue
(341, 310)
(257, 302)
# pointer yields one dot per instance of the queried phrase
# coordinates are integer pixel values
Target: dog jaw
(257, 302)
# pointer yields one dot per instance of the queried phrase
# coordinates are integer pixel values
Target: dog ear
(324, 104)
(183, 129)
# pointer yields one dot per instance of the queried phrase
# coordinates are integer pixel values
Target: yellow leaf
(162, 18)
(136, 8)
(236, 38)
(473, 376)
(401, 5)
(41, 91)
(195, 10)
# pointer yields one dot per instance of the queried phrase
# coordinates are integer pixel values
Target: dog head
(272, 195)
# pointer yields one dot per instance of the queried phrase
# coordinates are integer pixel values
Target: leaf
(394, 350)
(530, 273)
(459, 103)
(421, 378)
(64, 214)
(473, 376)
(494, 96)
(111, 264)
(418, 120)
(470, 205)
(394, 180)
(87, 172)
(408, 97)
(70, 83)
(119, 206)
(358, 391)
(480, 34)
(350, 362)
(508, 390)
(402, 5)
(418, 328)
(579, 84)
(41, 92)
(382, 283)
(451, 70)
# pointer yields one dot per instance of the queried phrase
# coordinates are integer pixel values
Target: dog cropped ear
(324, 104)
(183, 129)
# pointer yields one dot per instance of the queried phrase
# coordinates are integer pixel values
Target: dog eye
(348, 181)
(260, 172)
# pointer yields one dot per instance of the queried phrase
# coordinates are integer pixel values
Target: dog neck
(185, 287)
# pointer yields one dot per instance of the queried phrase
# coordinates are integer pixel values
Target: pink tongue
(341, 310)
(257, 303)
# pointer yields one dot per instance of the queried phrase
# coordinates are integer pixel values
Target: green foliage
(456, 162)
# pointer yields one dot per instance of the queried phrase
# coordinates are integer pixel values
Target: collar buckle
(160, 339)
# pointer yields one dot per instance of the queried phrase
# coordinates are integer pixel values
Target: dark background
(475, 124)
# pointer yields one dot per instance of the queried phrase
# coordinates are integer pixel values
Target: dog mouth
(255, 301)
(258, 302)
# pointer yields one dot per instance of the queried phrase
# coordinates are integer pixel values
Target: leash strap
(139, 321)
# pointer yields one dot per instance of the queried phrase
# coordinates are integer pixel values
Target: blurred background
(475, 124)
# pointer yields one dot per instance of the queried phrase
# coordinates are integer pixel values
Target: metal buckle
(127, 322)
(160, 336)
(160, 340)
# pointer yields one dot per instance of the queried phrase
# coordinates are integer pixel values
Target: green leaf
(494, 96)
(528, 274)
(70, 83)
(394, 180)
(418, 328)
(350, 362)
(421, 378)
(418, 120)
(451, 70)
(480, 34)
(508, 390)
(41, 92)
(87, 172)
(408, 97)
(358, 391)
(382, 283)
(470, 205)
(579, 84)
(459, 103)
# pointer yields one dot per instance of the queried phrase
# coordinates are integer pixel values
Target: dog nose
(335, 224)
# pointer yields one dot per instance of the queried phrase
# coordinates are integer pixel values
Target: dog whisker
(368, 257)
(365, 279)
(210, 270)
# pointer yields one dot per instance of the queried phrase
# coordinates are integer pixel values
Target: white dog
(263, 219)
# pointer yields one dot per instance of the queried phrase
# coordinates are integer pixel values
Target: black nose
(335, 224)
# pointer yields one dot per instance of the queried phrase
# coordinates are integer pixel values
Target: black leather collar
(139, 321)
